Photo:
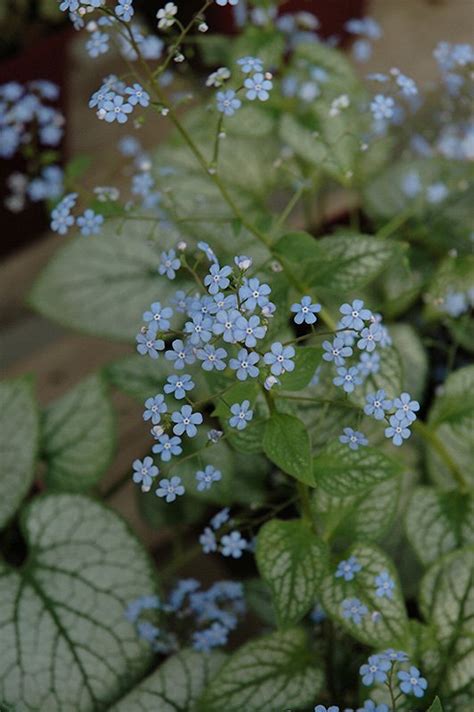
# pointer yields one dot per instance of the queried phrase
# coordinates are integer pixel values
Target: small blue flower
(406, 408)
(180, 354)
(241, 415)
(61, 221)
(305, 311)
(382, 107)
(217, 278)
(348, 378)
(398, 431)
(220, 518)
(384, 585)
(212, 358)
(436, 193)
(375, 670)
(233, 544)
(227, 102)
(178, 385)
(97, 44)
(412, 683)
(199, 329)
(371, 706)
(224, 324)
(124, 10)
(213, 637)
(395, 655)
(169, 264)
(322, 708)
(170, 489)
(257, 87)
(186, 421)
(407, 85)
(208, 541)
(370, 336)
(137, 95)
(206, 477)
(244, 364)
(411, 184)
(279, 358)
(167, 447)
(354, 610)
(253, 294)
(142, 184)
(353, 438)
(336, 351)
(354, 315)
(249, 330)
(223, 3)
(147, 343)
(158, 316)
(250, 64)
(144, 472)
(208, 251)
(377, 404)
(116, 109)
(154, 407)
(90, 222)
(348, 569)
(369, 363)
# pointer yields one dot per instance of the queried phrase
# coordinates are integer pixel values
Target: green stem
(434, 441)
(393, 225)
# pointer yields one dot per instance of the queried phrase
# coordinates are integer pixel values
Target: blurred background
(38, 42)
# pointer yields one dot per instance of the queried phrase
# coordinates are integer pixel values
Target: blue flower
(406, 408)
(348, 569)
(90, 223)
(208, 541)
(336, 351)
(208, 251)
(116, 109)
(348, 378)
(370, 336)
(354, 315)
(217, 278)
(353, 438)
(213, 637)
(249, 330)
(244, 364)
(411, 184)
(227, 102)
(369, 363)
(241, 415)
(253, 294)
(137, 95)
(407, 85)
(382, 107)
(144, 472)
(97, 44)
(375, 670)
(199, 329)
(169, 264)
(180, 355)
(412, 683)
(354, 610)
(250, 64)
(147, 343)
(224, 324)
(170, 489)
(436, 193)
(377, 404)
(233, 544)
(61, 221)
(257, 87)
(158, 316)
(212, 358)
(206, 477)
(142, 184)
(384, 585)
(322, 708)
(154, 407)
(305, 311)
(223, 3)
(124, 10)
(371, 706)
(398, 431)
(220, 518)
(178, 385)
(166, 447)
(395, 655)
(186, 421)
(279, 358)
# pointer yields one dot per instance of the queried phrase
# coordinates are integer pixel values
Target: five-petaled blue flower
(233, 544)
(185, 421)
(97, 44)
(382, 107)
(249, 330)
(253, 294)
(244, 364)
(369, 363)
(370, 336)
(199, 329)
(322, 708)
(154, 407)
(257, 87)
(377, 404)
(180, 354)
(348, 378)
(217, 278)
(241, 415)
(116, 109)
(384, 585)
(371, 706)
(178, 385)
(412, 683)
(212, 358)
(144, 472)
(348, 569)
(336, 351)
(354, 315)
(206, 477)
(398, 431)
(147, 343)
(167, 447)
(124, 10)
(375, 670)
(224, 324)
(353, 609)
(208, 541)
(228, 102)
(250, 64)
(90, 222)
(158, 316)
(137, 95)
(305, 311)
(353, 438)
(170, 489)
(279, 358)
(406, 408)
(169, 264)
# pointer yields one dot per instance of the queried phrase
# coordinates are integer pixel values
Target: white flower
(166, 16)
(217, 78)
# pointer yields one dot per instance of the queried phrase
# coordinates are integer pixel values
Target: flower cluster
(353, 609)
(62, 219)
(115, 101)
(257, 85)
(231, 544)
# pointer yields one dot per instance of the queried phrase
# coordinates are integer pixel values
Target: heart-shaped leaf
(286, 443)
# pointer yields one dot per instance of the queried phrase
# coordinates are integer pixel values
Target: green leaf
(102, 285)
(306, 360)
(389, 377)
(454, 274)
(176, 686)
(389, 626)
(138, 376)
(436, 706)
(414, 361)
(447, 603)
(292, 560)
(266, 674)
(343, 472)
(78, 437)
(18, 443)
(65, 641)
(438, 522)
(286, 443)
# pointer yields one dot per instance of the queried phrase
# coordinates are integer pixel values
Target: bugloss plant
(306, 386)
